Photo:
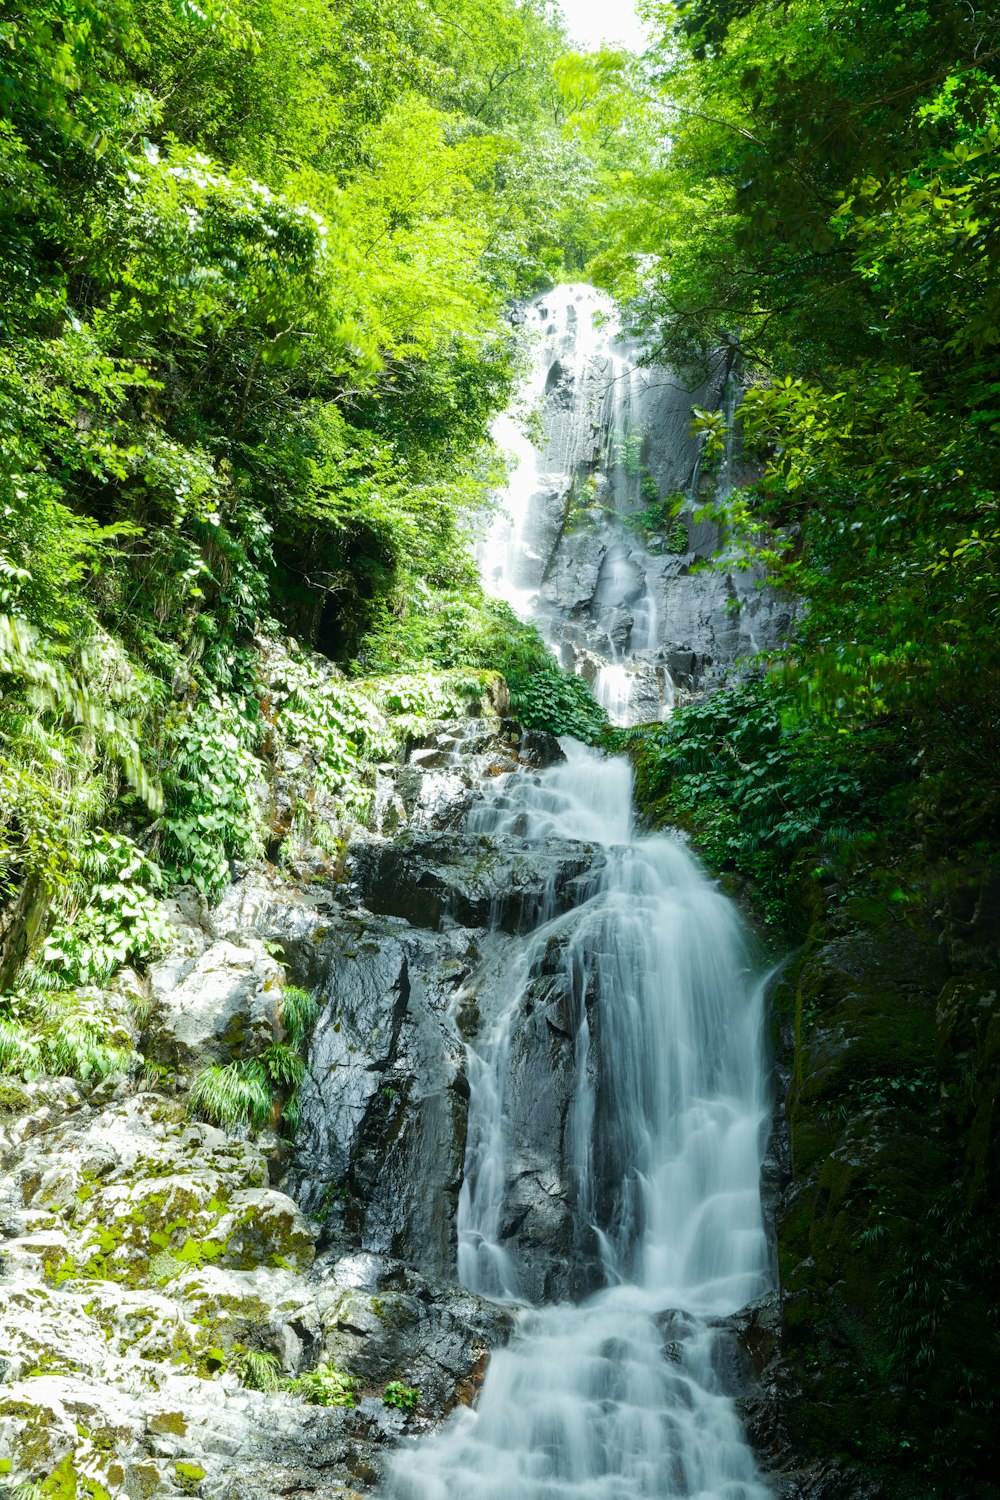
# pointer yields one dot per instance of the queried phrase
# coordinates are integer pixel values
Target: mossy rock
(266, 1229)
(13, 1099)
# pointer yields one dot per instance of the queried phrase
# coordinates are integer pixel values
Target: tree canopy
(824, 200)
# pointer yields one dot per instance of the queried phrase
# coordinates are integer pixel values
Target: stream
(620, 1394)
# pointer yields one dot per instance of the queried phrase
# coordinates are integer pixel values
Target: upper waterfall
(585, 543)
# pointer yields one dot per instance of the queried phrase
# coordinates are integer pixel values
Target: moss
(168, 1421)
(188, 1476)
(889, 1333)
(58, 1268)
(13, 1100)
(144, 1481)
(35, 1427)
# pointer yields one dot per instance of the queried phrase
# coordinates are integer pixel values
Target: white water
(665, 1162)
(591, 455)
(573, 328)
(616, 1397)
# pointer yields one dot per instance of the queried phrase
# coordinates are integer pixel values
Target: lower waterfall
(618, 1396)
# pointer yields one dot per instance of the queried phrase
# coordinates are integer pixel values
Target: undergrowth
(324, 1386)
(252, 1093)
(770, 792)
(448, 628)
(61, 1034)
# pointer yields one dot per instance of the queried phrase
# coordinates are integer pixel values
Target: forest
(258, 261)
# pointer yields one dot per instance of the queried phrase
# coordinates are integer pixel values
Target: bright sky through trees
(592, 22)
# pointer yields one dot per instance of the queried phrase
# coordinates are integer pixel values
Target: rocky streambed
(147, 1255)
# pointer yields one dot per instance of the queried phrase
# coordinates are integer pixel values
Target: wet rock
(539, 749)
(386, 1323)
(477, 882)
(382, 1136)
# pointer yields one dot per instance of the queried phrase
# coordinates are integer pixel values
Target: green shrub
(113, 917)
(762, 783)
(549, 698)
(61, 1034)
(404, 1397)
(257, 1369)
(324, 1386)
(485, 634)
(212, 813)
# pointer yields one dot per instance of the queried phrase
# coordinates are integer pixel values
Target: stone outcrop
(148, 1256)
(886, 1036)
(143, 1255)
(214, 1005)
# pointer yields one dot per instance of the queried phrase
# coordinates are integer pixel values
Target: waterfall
(617, 1396)
(579, 491)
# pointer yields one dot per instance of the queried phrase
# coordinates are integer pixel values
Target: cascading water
(587, 471)
(615, 1397)
(663, 1150)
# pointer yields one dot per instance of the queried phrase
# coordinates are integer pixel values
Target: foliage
(257, 1369)
(324, 1386)
(747, 771)
(827, 211)
(485, 633)
(65, 1034)
(212, 814)
(236, 1095)
(253, 265)
(823, 205)
(251, 1092)
(549, 698)
(403, 1397)
(661, 516)
(114, 919)
(933, 1282)
(299, 1010)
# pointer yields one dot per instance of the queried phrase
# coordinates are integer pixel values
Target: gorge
(499, 718)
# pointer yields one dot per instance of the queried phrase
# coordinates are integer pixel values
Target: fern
(324, 1386)
(48, 1038)
(299, 1010)
(253, 1092)
(76, 1049)
(49, 686)
(234, 1096)
(19, 1053)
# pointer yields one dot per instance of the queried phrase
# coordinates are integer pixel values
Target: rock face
(887, 1030)
(704, 620)
(218, 1004)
